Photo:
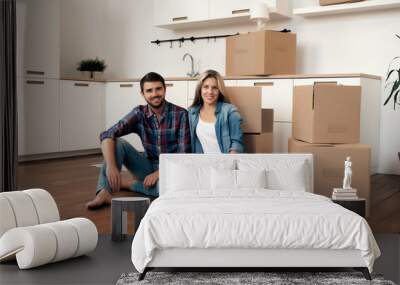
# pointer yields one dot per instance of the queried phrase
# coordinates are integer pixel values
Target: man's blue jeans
(135, 162)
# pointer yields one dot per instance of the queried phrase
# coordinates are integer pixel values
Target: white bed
(215, 211)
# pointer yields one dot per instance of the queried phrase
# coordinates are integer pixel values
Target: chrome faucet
(192, 73)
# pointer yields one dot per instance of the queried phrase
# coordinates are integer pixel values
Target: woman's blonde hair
(198, 100)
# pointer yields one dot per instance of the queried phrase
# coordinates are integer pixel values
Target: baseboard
(43, 156)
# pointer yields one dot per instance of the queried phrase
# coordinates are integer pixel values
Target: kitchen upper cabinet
(177, 93)
(167, 12)
(38, 115)
(277, 94)
(120, 99)
(176, 14)
(38, 38)
(227, 9)
(81, 114)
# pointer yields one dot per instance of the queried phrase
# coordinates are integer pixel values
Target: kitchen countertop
(289, 76)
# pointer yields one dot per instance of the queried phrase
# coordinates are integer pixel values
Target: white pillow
(251, 178)
(223, 179)
(293, 180)
(281, 174)
(187, 175)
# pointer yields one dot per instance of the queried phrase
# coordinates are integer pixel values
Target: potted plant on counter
(392, 81)
(94, 67)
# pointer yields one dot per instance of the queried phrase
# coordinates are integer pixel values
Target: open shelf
(368, 5)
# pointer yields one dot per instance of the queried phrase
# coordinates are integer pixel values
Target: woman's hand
(114, 178)
(150, 180)
(233, 151)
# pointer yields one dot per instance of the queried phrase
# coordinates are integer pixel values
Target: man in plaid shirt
(162, 127)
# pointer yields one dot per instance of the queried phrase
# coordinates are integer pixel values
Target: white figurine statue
(347, 174)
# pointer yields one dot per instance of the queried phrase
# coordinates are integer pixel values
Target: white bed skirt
(189, 257)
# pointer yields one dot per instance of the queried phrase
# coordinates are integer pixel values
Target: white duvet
(253, 218)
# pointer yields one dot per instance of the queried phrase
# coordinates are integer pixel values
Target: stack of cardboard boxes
(257, 122)
(258, 53)
(326, 116)
(326, 123)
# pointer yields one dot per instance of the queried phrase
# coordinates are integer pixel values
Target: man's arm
(112, 171)
(183, 139)
(151, 179)
(126, 125)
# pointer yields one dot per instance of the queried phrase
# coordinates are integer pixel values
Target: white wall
(121, 30)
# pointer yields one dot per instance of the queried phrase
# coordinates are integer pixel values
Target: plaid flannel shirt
(170, 135)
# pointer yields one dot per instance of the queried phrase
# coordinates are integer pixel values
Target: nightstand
(356, 205)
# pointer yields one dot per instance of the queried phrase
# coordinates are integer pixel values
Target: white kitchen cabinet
(38, 38)
(231, 8)
(277, 94)
(230, 83)
(224, 9)
(81, 114)
(120, 99)
(177, 14)
(282, 131)
(354, 81)
(370, 110)
(177, 93)
(38, 115)
(167, 12)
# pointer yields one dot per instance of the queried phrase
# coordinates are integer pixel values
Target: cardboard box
(261, 53)
(258, 143)
(329, 166)
(333, 2)
(326, 113)
(248, 102)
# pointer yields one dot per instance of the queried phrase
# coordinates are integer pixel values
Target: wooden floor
(72, 182)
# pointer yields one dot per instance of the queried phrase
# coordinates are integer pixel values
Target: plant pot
(85, 75)
(92, 75)
(98, 75)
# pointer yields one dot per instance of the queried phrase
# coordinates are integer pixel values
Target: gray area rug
(229, 278)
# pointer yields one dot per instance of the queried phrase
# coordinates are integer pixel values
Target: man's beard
(158, 106)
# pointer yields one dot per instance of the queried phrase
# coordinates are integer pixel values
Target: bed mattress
(251, 219)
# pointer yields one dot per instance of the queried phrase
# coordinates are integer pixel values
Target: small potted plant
(92, 66)
(392, 81)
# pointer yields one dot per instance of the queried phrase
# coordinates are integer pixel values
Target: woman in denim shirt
(214, 123)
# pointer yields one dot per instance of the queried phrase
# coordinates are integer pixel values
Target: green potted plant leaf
(392, 81)
(92, 66)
